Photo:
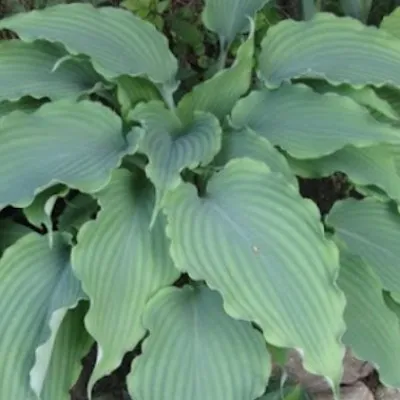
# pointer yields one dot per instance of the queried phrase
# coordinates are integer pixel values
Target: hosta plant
(134, 216)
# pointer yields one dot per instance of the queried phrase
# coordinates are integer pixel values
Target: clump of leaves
(119, 186)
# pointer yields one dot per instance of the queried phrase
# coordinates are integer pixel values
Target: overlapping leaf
(105, 35)
(196, 351)
(308, 124)
(371, 230)
(374, 337)
(37, 287)
(366, 96)
(229, 17)
(131, 91)
(27, 69)
(77, 143)
(172, 146)
(77, 211)
(340, 50)
(121, 264)
(367, 166)
(263, 241)
(219, 94)
(39, 212)
(391, 23)
(71, 344)
(245, 143)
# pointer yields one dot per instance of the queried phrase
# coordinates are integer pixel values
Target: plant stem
(223, 54)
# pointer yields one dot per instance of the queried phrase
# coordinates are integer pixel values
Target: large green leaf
(325, 48)
(74, 143)
(219, 94)
(364, 166)
(371, 230)
(246, 143)
(172, 146)
(37, 288)
(229, 17)
(391, 23)
(121, 264)
(373, 330)
(71, 344)
(118, 42)
(27, 69)
(262, 242)
(196, 351)
(308, 124)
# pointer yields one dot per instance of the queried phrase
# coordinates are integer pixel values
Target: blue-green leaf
(30, 69)
(307, 124)
(172, 146)
(117, 41)
(263, 241)
(196, 351)
(37, 287)
(337, 49)
(246, 143)
(121, 264)
(374, 337)
(48, 146)
(229, 17)
(371, 230)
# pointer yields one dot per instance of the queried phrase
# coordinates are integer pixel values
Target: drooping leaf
(77, 211)
(112, 31)
(391, 23)
(71, 344)
(219, 94)
(76, 143)
(366, 166)
(27, 69)
(246, 143)
(370, 229)
(196, 351)
(229, 17)
(373, 330)
(37, 288)
(263, 241)
(172, 146)
(121, 264)
(39, 212)
(325, 48)
(10, 232)
(131, 91)
(308, 124)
